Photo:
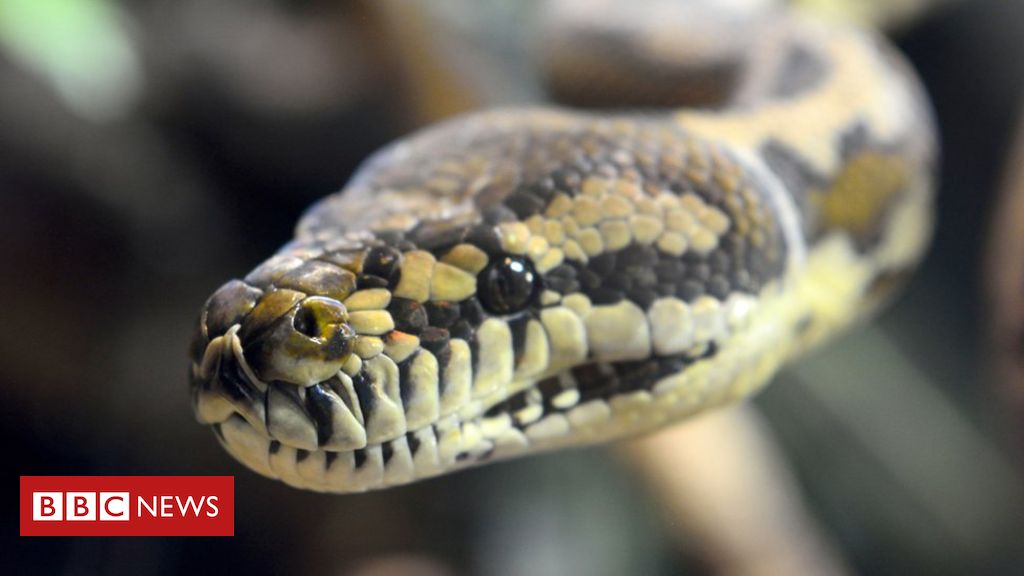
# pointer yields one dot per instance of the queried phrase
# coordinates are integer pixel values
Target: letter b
(47, 506)
(80, 506)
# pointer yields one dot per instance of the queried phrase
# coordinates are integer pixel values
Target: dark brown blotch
(435, 340)
(408, 315)
(367, 281)
(442, 313)
(485, 238)
(382, 261)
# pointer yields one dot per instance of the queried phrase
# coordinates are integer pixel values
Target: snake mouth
(312, 436)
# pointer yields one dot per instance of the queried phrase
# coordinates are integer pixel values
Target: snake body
(520, 280)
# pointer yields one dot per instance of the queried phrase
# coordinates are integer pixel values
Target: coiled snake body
(519, 280)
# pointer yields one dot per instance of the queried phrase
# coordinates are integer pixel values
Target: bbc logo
(80, 506)
(126, 505)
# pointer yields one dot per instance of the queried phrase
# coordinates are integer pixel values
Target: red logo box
(127, 506)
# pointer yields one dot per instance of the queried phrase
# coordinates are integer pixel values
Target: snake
(720, 187)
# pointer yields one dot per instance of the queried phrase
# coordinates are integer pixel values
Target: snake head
(452, 332)
(443, 330)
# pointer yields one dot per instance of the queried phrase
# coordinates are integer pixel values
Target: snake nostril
(318, 317)
(305, 322)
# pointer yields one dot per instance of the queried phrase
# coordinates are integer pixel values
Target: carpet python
(518, 280)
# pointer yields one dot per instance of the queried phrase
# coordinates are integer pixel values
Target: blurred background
(152, 149)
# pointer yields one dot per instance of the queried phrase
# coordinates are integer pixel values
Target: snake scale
(518, 280)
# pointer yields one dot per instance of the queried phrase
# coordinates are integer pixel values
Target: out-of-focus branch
(726, 492)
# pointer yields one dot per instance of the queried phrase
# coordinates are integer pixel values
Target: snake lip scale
(519, 280)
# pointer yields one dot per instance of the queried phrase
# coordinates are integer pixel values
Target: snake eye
(508, 284)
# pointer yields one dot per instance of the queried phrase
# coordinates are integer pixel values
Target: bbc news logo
(116, 506)
(127, 505)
